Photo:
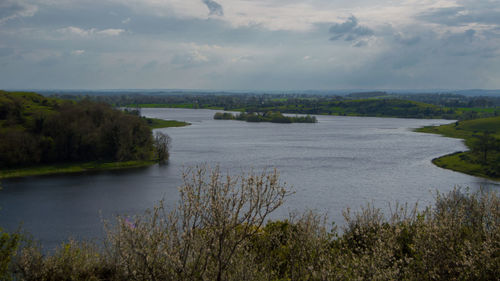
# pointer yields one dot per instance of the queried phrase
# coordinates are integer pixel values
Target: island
(270, 116)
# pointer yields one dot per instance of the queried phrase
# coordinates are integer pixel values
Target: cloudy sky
(250, 44)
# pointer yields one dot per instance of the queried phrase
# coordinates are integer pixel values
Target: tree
(162, 145)
(484, 144)
(207, 236)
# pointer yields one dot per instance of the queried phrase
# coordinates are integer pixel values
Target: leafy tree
(163, 143)
(483, 144)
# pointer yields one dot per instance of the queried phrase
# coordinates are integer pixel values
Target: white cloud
(78, 52)
(73, 30)
(110, 32)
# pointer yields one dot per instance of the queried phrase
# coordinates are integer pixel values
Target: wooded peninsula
(41, 135)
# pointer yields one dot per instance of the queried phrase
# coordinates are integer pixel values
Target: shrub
(219, 232)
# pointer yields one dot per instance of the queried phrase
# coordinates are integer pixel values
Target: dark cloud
(462, 15)
(350, 30)
(14, 9)
(214, 7)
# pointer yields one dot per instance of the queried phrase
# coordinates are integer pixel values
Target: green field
(471, 162)
(71, 168)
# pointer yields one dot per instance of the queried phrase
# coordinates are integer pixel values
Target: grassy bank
(469, 162)
(155, 123)
(65, 168)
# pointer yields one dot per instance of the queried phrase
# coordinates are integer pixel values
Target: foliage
(155, 123)
(8, 247)
(219, 232)
(482, 136)
(270, 116)
(37, 130)
(163, 142)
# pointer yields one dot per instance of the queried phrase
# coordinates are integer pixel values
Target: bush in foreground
(219, 232)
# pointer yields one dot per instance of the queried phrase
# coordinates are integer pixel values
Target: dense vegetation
(270, 116)
(219, 232)
(320, 105)
(482, 136)
(35, 130)
(447, 106)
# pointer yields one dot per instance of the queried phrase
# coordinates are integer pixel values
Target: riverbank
(67, 168)
(472, 162)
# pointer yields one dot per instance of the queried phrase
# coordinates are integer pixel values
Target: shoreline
(92, 166)
(71, 168)
(456, 161)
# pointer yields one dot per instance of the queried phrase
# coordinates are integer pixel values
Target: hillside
(482, 137)
(38, 132)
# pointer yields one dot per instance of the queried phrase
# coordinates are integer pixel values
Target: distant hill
(364, 95)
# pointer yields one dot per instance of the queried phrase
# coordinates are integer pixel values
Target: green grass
(479, 109)
(466, 162)
(460, 162)
(466, 129)
(66, 168)
(155, 123)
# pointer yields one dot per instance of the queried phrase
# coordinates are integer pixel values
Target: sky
(250, 44)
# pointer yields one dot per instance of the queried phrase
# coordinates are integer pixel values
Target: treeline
(453, 100)
(37, 130)
(220, 232)
(378, 104)
(270, 116)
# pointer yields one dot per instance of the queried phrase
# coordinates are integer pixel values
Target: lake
(337, 163)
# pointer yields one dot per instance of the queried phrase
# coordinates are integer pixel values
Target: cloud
(110, 32)
(73, 30)
(350, 30)
(15, 9)
(407, 40)
(190, 59)
(472, 13)
(214, 7)
(78, 52)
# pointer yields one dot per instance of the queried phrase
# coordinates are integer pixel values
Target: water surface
(337, 163)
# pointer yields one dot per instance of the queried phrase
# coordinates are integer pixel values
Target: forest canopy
(39, 130)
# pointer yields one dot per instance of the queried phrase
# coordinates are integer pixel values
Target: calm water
(337, 163)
